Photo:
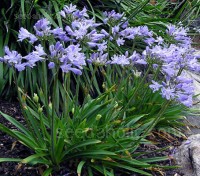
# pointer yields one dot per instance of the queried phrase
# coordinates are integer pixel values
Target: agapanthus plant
(83, 47)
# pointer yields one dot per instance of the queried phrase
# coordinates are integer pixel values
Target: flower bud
(50, 105)
(72, 110)
(128, 153)
(104, 85)
(35, 98)
(24, 97)
(24, 106)
(87, 130)
(40, 109)
(116, 105)
(98, 117)
(117, 122)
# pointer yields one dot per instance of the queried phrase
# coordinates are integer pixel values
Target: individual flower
(159, 40)
(24, 34)
(32, 58)
(149, 41)
(39, 50)
(112, 16)
(155, 86)
(70, 9)
(98, 58)
(92, 44)
(175, 30)
(179, 89)
(80, 14)
(62, 13)
(120, 60)
(74, 12)
(35, 56)
(11, 57)
(51, 65)
(124, 24)
(185, 99)
(79, 29)
(179, 34)
(136, 58)
(74, 56)
(103, 31)
(102, 46)
(42, 27)
(171, 29)
(144, 31)
(115, 30)
(129, 33)
(20, 66)
(95, 37)
(169, 70)
(60, 34)
(120, 41)
(56, 50)
(168, 93)
(68, 67)
(70, 59)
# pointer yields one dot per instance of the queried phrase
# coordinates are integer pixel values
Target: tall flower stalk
(53, 128)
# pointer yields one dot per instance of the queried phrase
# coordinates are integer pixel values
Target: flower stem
(67, 99)
(53, 132)
(44, 87)
(147, 90)
(136, 90)
(153, 124)
(22, 105)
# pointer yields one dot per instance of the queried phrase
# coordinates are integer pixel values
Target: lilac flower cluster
(112, 17)
(181, 89)
(173, 61)
(69, 59)
(80, 32)
(179, 34)
(82, 40)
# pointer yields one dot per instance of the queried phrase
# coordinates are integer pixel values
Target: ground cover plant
(131, 78)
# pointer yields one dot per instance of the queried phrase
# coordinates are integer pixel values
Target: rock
(196, 82)
(187, 156)
(195, 153)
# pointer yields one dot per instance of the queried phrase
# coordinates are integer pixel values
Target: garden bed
(99, 92)
(13, 149)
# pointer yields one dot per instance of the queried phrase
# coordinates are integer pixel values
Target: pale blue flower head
(20, 66)
(120, 60)
(39, 50)
(155, 86)
(70, 9)
(60, 34)
(81, 14)
(56, 50)
(24, 34)
(12, 57)
(51, 65)
(98, 58)
(68, 67)
(74, 56)
(42, 27)
(32, 59)
(168, 93)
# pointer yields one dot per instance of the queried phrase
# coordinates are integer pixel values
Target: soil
(10, 148)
